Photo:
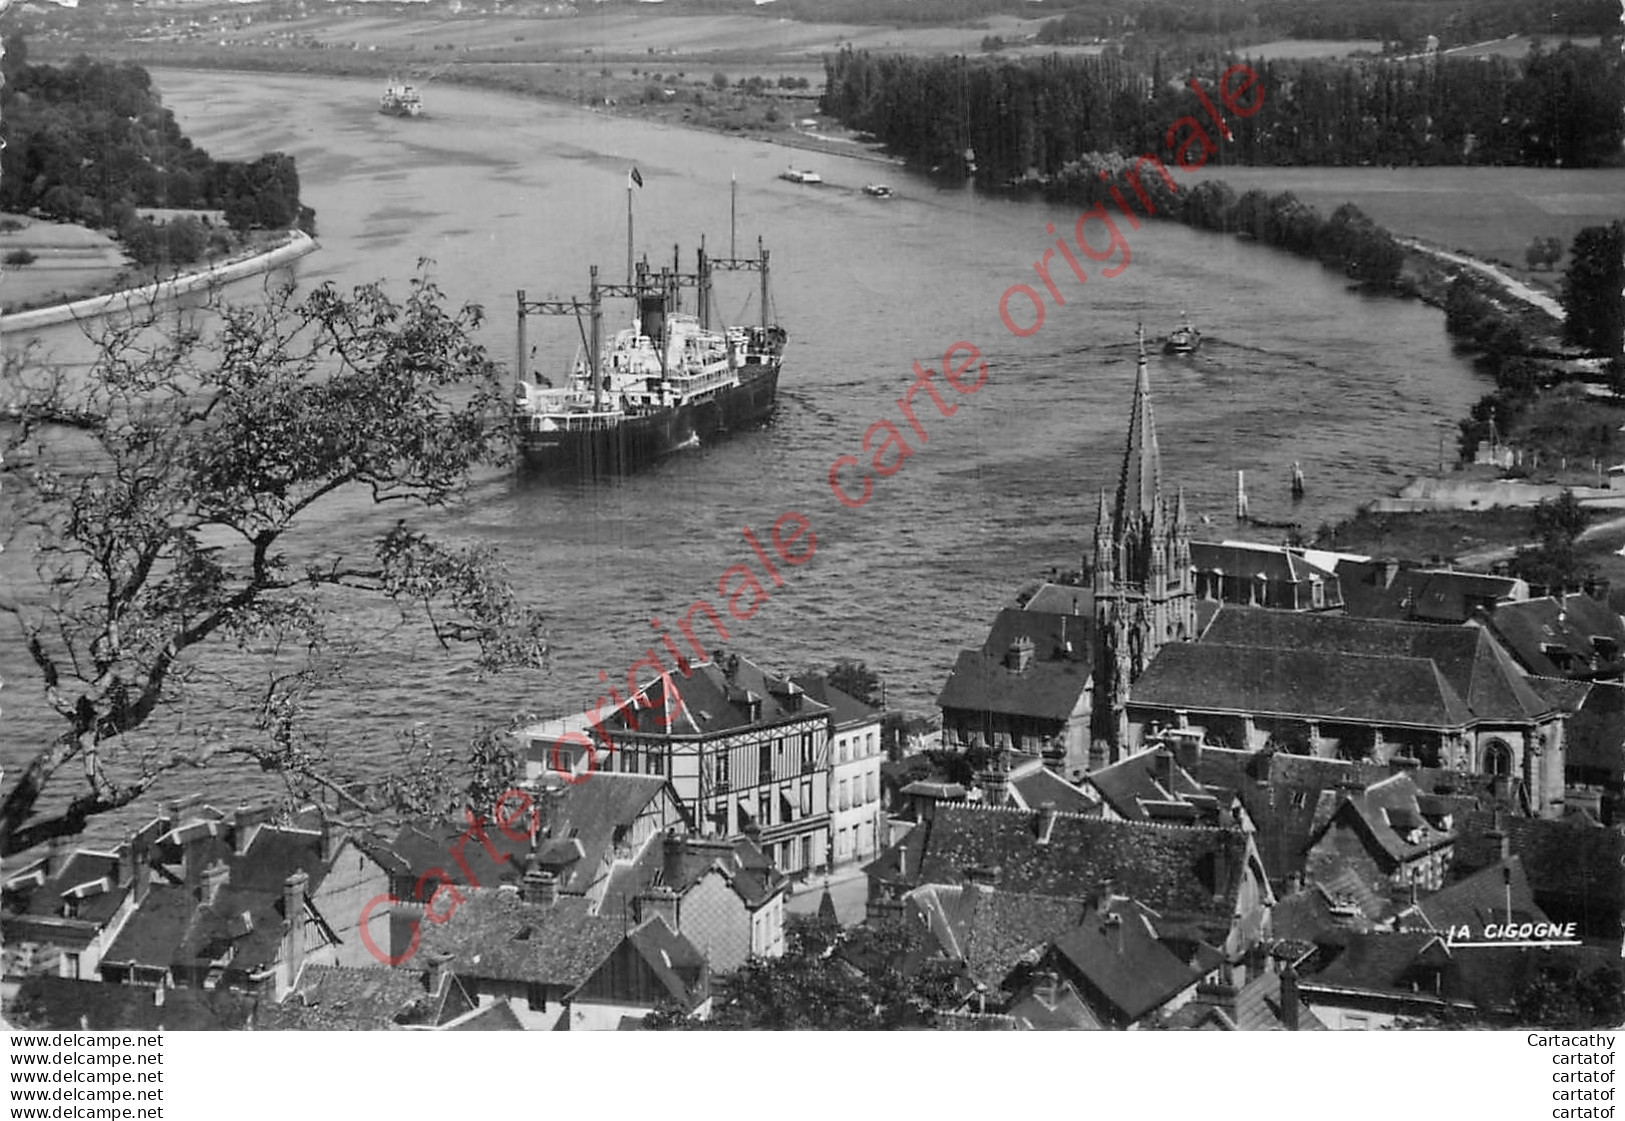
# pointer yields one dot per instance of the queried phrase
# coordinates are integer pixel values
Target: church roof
(1475, 667)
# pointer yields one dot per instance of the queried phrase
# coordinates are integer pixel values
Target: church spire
(1140, 482)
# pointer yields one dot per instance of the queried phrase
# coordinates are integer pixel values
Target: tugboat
(804, 177)
(400, 100)
(667, 381)
(1184, 339)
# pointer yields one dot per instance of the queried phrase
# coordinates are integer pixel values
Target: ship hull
(636, 441)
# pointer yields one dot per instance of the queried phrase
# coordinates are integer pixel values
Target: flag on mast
(635, 177)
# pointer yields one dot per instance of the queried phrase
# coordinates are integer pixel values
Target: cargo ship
(665, 381)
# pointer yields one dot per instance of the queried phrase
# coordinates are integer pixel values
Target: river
(503, 193)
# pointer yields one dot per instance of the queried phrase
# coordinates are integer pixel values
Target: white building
(854, 773)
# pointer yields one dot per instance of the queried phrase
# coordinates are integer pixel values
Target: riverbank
(296, 244)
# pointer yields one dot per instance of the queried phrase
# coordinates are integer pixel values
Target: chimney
(213, 878)
(1165, 763)
(1187, 746)
(1114, 930)
(293, 926)
(1103, 898)
(1289, 998)
(539, 887)
(660, 901)
(242, 827)
(1044, 823)
(673, 848)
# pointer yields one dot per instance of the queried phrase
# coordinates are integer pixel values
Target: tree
(719, 80)
(1594, 290)
(856, 679)
(870, 977)
(1553, 561)
(167, 498)
(1544, 252)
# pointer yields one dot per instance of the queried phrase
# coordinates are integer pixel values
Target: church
(1054, 675)
(1072, 671)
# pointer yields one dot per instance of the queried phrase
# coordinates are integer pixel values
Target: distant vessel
(808, 178)
(877, 190)
(400, 100)
(666, 381)
(1184, 339)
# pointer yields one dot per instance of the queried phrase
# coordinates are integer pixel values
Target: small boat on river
(400, 100)
(1184, 339)
(877, 190)
(803, 176)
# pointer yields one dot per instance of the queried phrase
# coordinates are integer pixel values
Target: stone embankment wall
(297, 245)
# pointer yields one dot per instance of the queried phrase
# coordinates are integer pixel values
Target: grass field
(622, 35)
(70, 261)
(1486, 212)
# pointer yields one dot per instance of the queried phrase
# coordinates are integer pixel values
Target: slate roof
(1308, 683)
(672, 959)
(60, 1003)
(1531, 627)
(718, 697)
(1184, 873)
(1476, 901)
(1123, 961)
(748, 870)
(1129, 785)
(1051, 685)
(1477, 669)
(1573, 869)
(597, 815)
(845, 709)
(92, 878)
(496, 1016)
(1041, 785)
(1062, 599)
(1387, 814)
(991, 930)
(341, 998)
(1596, 738)
(1310, 916)
(1429, 595)
(1248, 560)
(495, 936)
(1257, 1006)
(153, 934)
(174, 927)
(1042, 1008)
(423, 845)
(1403, 967)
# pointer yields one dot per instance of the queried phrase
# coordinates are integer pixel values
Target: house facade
(743, 749)
(854, 772)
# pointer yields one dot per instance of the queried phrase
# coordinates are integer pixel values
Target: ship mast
(597, 313)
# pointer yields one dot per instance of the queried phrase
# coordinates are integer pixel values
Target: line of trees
(90, 142)
(1348, 240)
(1031, 117)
